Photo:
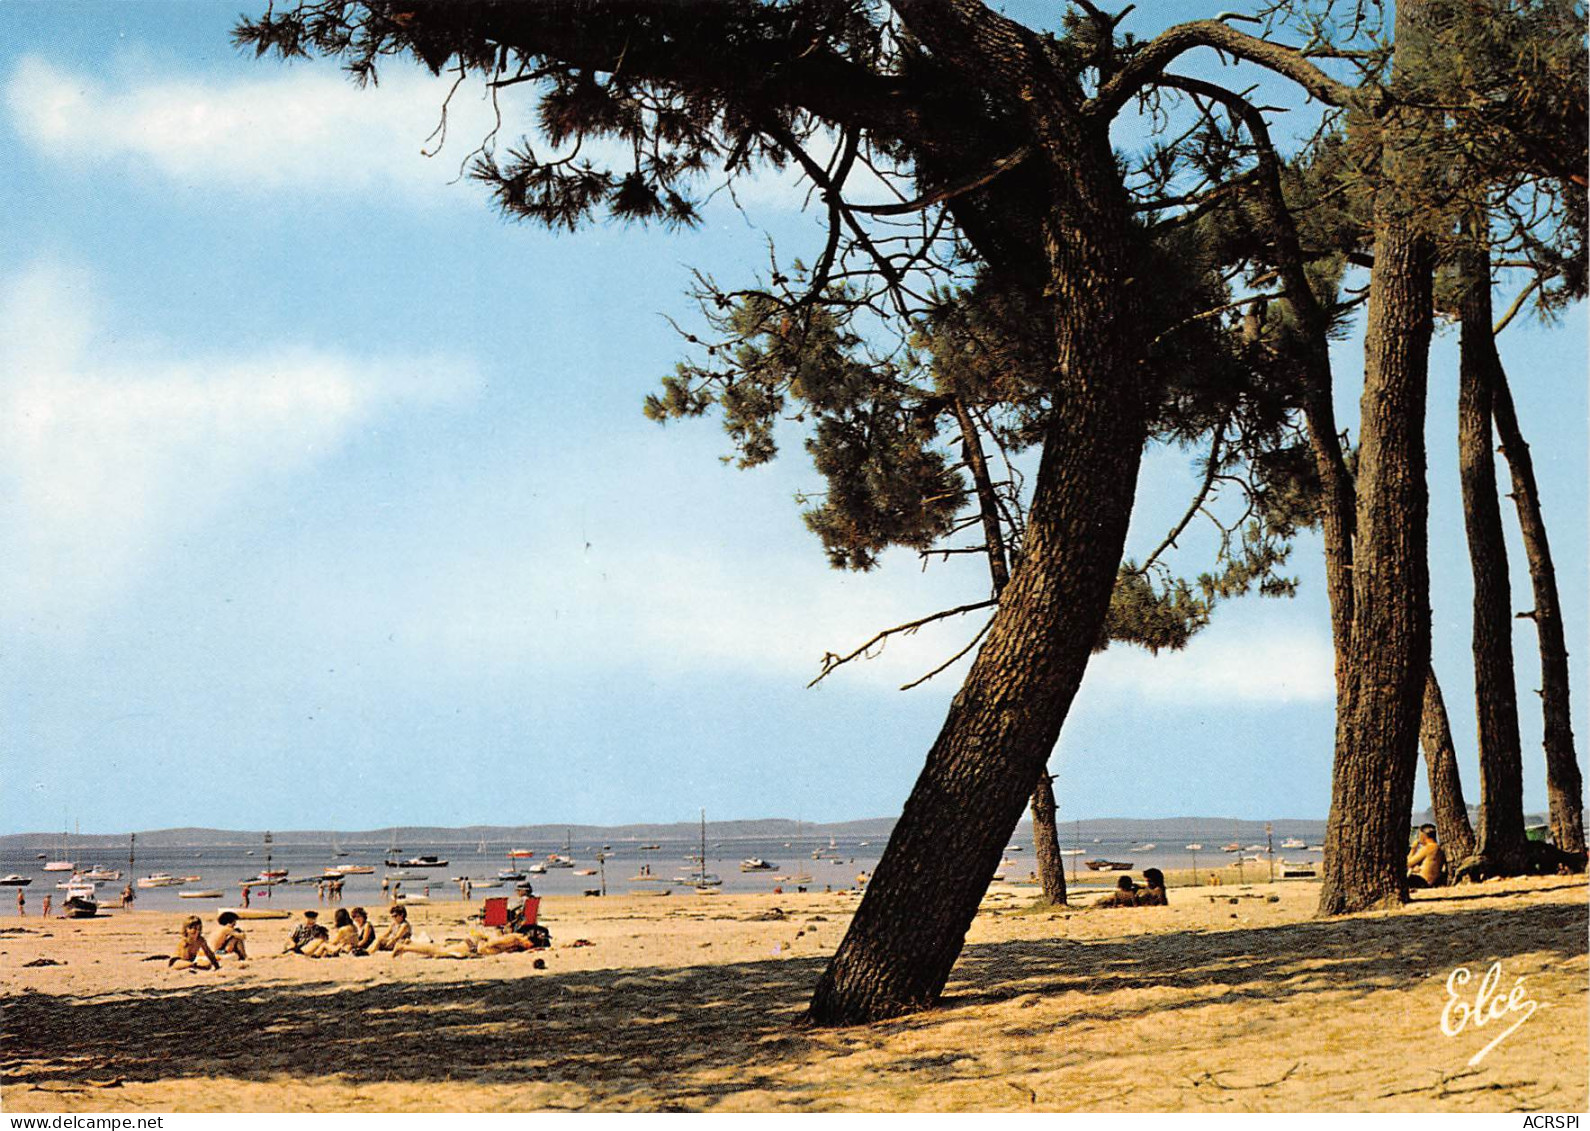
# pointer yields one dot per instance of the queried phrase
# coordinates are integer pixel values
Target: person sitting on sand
(364, 932)
(1427, 862)
(471, 947)
(342, 938)
(399, 930)
(1153, 891)
(307, 932)
(192, 946)
(1124, 895)
(229, 939)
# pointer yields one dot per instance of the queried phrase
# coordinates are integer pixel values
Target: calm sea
(813, 863)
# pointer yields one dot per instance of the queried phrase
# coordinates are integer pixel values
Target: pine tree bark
(1002, 725)
(1046, 843)
(1501, 832)
(1452, 826)
(1045, 836)
(1564, 785)
(1381, 687)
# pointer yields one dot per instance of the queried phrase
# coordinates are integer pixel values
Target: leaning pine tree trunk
(1002, 725)
(1564, 786)
(1452, 826)
(1382, 688)
(1501, 840)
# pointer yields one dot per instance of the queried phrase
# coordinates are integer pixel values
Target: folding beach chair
(495, 913)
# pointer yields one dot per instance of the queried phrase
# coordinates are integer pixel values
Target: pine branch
(831, 661)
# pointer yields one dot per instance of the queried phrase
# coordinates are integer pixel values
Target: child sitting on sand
(191, 946)
(398, 932)
(1124, 895)
(229, 939)
(364, 932)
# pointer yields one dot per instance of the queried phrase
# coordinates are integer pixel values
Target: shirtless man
(192, 946)
(1124, 895)
(1426, 863)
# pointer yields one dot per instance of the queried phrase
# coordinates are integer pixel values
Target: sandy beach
(1231, 999)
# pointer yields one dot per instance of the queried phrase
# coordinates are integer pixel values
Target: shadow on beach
(682, 1038)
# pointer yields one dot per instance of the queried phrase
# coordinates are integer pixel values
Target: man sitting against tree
(1426, 863)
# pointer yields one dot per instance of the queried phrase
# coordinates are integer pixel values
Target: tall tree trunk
(1381, 692)
(1501, 833)
(1045, 836)
(1564, 786)
(1046, 843)
(1452, 826)
(911, 923)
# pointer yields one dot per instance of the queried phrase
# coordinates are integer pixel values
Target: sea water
(671, 866)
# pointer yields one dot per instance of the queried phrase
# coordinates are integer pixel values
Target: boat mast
(701, 861)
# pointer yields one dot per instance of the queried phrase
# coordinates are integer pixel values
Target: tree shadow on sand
(683, 1037)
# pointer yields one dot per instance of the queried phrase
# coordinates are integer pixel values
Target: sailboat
(703, 879)
(336, 849)
(63, 864)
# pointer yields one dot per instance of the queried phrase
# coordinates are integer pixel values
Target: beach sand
(693, 1003)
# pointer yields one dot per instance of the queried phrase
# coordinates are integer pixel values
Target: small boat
(1109, 865)
(558, 860)
(407, 876)
(161, 880)
(485, 883)
(643, 878)
(650, 847)
(82, 902)
(585, 871)
(1294, 842)
(352, 869)
(510, 874)
(1149, 847)
(1008, 848)
(756, 864)
(1072, 851)
(520, 854)
(1195, 848)
(15, 881)
(101, 874)
(405, 897)
(186, 893)
(60, 866)
(418, 862)
(273, 874)
(537, 869)
(42, 856)
(1256, 848)
(1232, 847)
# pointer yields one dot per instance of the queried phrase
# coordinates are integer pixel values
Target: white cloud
(1247, 665)
(310, 128)
(305, 127)
(106, 465)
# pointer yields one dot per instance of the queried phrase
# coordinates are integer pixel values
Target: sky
(327, 498)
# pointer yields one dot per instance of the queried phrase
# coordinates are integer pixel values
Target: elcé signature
(1488, 1006)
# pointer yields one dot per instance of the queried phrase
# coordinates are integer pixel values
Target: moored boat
(15, 881)
(187, 894)
(82, 902)
(160, 880)
(757, 864)
(1109, 865)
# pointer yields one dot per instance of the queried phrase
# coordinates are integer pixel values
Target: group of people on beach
(351, 933)
(1128, 894)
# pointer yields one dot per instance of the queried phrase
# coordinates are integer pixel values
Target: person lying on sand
(192, 946)
(364, 932)
(229, 939)
(307, 932)
(398, 932)
(1152, 894)
(1427, 862)
(342, 939)
(1124, 895)
(471, 947)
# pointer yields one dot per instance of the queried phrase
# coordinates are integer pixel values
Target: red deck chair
(532, 907)
(496, 912)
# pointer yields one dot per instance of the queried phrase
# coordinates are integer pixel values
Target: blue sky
(328, 500)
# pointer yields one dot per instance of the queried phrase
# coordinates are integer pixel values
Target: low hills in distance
(1208, 829)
